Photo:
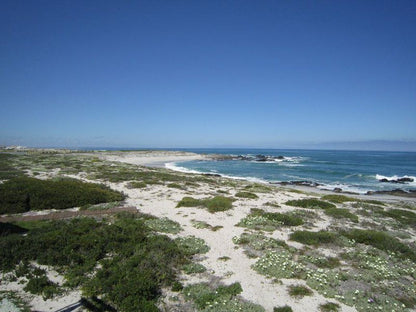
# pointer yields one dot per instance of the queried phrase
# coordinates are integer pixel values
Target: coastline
(161, 201)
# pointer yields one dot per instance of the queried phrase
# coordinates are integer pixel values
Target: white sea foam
(344, 187)
(173, 166)
(396, 177)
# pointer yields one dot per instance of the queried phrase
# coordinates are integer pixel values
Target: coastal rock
(211, 174)
(337, 190)
(395, 192)
(399, 180)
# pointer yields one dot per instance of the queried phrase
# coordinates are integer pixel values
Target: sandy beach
(225, 261)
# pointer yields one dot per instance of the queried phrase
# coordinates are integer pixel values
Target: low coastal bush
(191, 245)
(7, 170)
(215, 204)
(41, 285)
(382, 241)
(192, 268)
(246, 195)
(310, 203)
(338, 199)
(329, 307)
(257, 187)
(285, 308)
(299, 291)
(405, 217)
(175, 185)
(269, 221)
(220, 299)
(314, 238)
(341, 213)
(163, 225)
(134, 262)
(137, 184)
(24, 194)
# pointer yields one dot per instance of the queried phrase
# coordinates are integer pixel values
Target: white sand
(150, 158)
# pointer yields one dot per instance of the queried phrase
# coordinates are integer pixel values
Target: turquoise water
(355, 171)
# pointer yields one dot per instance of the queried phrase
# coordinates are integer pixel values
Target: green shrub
(135, 263)
(189, 202)
(175, 185)
(191, 245)
(329, 307)
(310, 203)
(137, 184)
(7, 170)
(9, 228)
(405, 217)
(193, 268)
(285, 308)
(203, 295)
(215, 204)
(41, 285)
(338, 199)
(314, 238)
(341, 213)
(163, 225)
(269, 221)
(24, 194)
(246, 195)
(299, 291)
(382, 241)
(218, 203)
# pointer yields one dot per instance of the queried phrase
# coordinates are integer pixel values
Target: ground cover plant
(285, 308)
(215, 204)
(299, 291)
(269, 221)
(256, 244)
(338, 199)
(7, 168)
(134, 262)
(209, 298)
(246, 195)
(310, 203)
(329, 307)
(405, 217)
(24, 194)
(315, 238)
(341, 213)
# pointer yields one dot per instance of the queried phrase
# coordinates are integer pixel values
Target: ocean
(351, 171)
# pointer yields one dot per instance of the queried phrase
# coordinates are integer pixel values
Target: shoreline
(228, 260)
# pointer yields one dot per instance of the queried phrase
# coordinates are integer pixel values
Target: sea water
(353, 171)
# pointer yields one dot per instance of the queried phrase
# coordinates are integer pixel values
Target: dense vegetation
(135, 263)
(7, 170)
(24, 194)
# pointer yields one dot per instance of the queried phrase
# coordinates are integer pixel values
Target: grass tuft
(314, 238)
(246, 195)
(341, 213)
(299, 291)
(215, 204)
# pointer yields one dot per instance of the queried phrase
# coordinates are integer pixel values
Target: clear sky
(207, 73)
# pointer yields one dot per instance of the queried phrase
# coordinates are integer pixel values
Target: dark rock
(337, 190)
(211, 174)
(400, 180)
(261, 158)
(280, 157)
(395, 192)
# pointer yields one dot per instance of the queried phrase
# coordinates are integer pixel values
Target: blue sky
(208, 73)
